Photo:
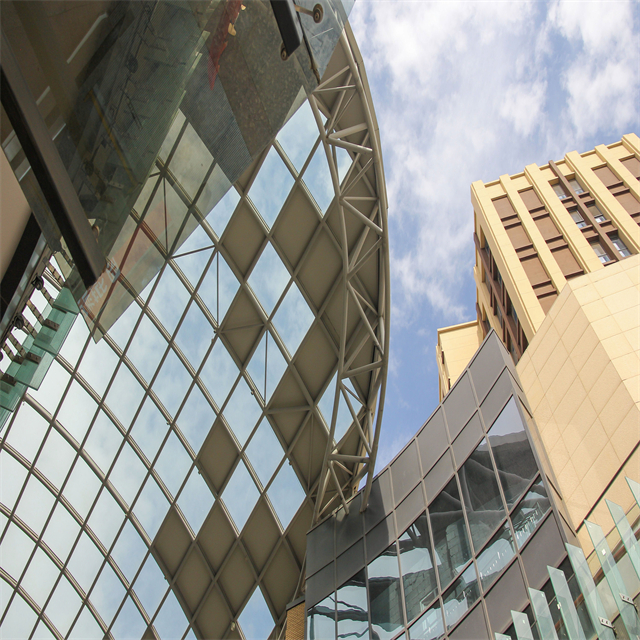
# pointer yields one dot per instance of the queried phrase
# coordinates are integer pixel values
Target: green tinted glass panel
(10, 394)
(32, 373)
(543, 615)
(501, 636)
(635, 489)
(566, 605)
(522, 626)
(50, 339)
(626, 534)
(628, 612)
(592, 599)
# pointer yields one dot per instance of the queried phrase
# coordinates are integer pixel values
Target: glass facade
(156, 109)
(158, 482)
(473, 519)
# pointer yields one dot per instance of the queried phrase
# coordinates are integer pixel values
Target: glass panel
(19, 620)
(578, 219)
(106, 518)
(495, 556)
(522, 626)
(512, 452)
(129, 551)
(626, 534)
(481, 495)
(12, 476)
(97, 365)
(276, 365)
(529, 512)
(635, 489)
(559, 191)
(150, 586)
(264, 452)
(575, 185)
(107, 594)
(597, 214)
(128, 473)
(48, 395)
(129, 623)
(325, 404)
(298, 135)
(61, 532)
(195, 335)
(268, 278)
(429, 626)
(218, 288)
(196, 418)
(460, 596)
(63, 606)
(194, 254)
(620, 246)
(449, 533)
(317, 177)
(196, 500)
(124, 395)
(240, 495)
(320, 620)
(149, 429)
(218, 215)
(219, 373)
(353, 618)
(173, 463)
(151, 507)
(21, 547)
(56, 458)
(614, 579)
(171, 621)
(384, 594)
(293, 319)
(147, 348)
(271, 187)
(169, 299)
(566, 604)
(172, 383)
(27, 432)
(286, 494)
(256, 620)
(501, 636)
(35, 504)
(592, 599)
(242, 412)
(418, 573)
(77, 411)
(82, 487)
(543, 615)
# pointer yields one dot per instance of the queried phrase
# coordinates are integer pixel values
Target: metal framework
(375, 320)
(339, 265)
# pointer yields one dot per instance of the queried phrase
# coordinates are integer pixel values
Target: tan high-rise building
(558, 278)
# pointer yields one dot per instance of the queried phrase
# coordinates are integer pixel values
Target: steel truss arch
(341, 469)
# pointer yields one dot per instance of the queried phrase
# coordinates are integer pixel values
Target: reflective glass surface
(351, 609)
(429, 625)
(459, 598)
(512, 452)
(418, 572)
(321, 619)
(495, 556)
(481, 495)
(385, 605)
(530, 511)
(452, 548)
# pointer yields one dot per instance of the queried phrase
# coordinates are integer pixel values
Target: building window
(575, 185)
(557, 187)
(601, 253)
(578, 219)
(620, 246)
(596, 213)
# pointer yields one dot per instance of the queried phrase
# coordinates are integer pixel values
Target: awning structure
(162, 481)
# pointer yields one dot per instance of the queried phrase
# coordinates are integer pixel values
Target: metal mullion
(31, 602)
(61, 566)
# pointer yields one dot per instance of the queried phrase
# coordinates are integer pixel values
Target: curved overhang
(178, 464)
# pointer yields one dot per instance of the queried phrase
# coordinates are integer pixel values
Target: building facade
(159, 482)
(557, 277)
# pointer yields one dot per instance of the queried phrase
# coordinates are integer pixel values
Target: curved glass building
(160, 482)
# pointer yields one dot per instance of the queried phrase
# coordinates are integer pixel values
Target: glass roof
(169, 468)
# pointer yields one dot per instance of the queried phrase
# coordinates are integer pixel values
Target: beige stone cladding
(581, 375)
(455, 348)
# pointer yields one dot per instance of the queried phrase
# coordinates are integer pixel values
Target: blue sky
(468, 91)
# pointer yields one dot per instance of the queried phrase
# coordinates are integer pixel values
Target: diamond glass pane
(298, 136)
(264, 452)
(240, 495)
(286, 494)
(293, 319)
(269, 278)
(271, 187)
(256, 620)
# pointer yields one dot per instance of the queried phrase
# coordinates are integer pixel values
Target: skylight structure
(160, 483)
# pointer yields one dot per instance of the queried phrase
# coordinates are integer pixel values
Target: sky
(467, 91)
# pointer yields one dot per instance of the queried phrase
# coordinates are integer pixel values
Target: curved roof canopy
(162, 481)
